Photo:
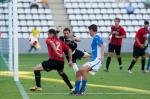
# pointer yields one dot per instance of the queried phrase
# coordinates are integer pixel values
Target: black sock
(143, 63)
(108, 62)
(132, 64)
(37, 78)
(66, 80)
(119, 61)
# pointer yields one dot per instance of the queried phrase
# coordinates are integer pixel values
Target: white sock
(75, 67)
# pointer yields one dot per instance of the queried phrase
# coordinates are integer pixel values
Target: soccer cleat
(120, 67)
(145, 71)
(71, 91)
(130, 72)
(35, 89)
(106, 70)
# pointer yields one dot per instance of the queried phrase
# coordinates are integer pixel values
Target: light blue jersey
(148, 37)
(96, 43)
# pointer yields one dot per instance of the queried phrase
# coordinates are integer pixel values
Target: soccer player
(71, 40)
(95, 63)
(55, 62)
(148, 64)
(33, 39)
(117, 34)
(139, 47)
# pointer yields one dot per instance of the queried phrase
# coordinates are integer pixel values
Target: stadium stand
(41, 18)
(82, 13)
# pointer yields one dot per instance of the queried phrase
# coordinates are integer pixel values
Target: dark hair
(51, 31)
(66, 29)
(117, 19)
(93, 27)
(146, 22)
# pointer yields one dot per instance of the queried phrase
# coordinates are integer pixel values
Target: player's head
(66, 32)
(146, 24)
(92, 29)
(117, 21)
(51, 33)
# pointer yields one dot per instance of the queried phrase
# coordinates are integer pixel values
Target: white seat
(108, 5)
(25, 35)
(22, 23)
(36, 17)
(45, 29)
(108, 23)
(85, 17)
(110, 10)
(96, 11)
(50, 23)
(84, 11)
(123, 11)
(130, 29)
(105, 16)
(105, 35)
(141, 22)
(146, 17)
(70, 11)
(90, 11)
(84, 35)
(132, 16)
(20, 10)
(87, 23)
(74, 23)
(94, 22)
(117, 11)
(128, 22)
(143, 11)
(37, 23)
(34, 11)
(68, 5)
(114, 5)
(44, 23)
(87, 5)
(103, 29)
(76, 29)
(132, 35)
(141, 5)
(83, 29)
(81, 5)
(49, 17)
(80, 23)
(41, 16)
(135, 22)
(101, 23)
(94, 5)
(92, 17)
(75, 5)
(30, 23)
(126, 16)
(98, 16)
(27, 11)
(137, 11)
(72, 17)
(139, 16)
(77, 11)
(22, 17)
(101, 5)
(48, 11)
(112, 16)
(79, 17)
(24, 29)
(103, 11)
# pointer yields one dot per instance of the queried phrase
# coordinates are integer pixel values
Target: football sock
(83, 85)
(37, 78)
(108, 62)
(143, 63)
(66, 80)
(120, 61)
(132, 64)
(77, 86)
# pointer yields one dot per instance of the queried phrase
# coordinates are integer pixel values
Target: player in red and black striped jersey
(139, 47)
(55, 62)
(117, 34)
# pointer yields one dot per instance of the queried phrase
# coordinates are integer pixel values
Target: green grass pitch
(114, 84)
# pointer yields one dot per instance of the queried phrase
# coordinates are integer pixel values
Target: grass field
(114, 84)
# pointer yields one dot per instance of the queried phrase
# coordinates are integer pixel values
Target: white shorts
(148, 49)
(95, 65)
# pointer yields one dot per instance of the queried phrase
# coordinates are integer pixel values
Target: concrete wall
(83, 44)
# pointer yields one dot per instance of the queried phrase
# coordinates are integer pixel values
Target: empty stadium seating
(82, 13)
(41, 18)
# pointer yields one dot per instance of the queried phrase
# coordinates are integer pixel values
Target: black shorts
(53, 65)
(138, 52)
(116, 48)
(78, 54)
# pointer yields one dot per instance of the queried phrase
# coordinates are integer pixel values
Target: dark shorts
(78, 54)
(53, 65)
(114, 48)
(138, 52)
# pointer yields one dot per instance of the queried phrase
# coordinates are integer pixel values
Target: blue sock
(77, 86)
(83, 85)
(148, 65)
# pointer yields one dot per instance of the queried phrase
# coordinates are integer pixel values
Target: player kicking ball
(95, 63)
(55, 61)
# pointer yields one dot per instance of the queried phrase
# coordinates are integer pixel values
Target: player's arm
(55, 49)
(136, 38)
(123, 34)
(102, 49)
(66, 48)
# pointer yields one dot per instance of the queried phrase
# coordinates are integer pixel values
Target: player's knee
(38, 67)
(61, 72)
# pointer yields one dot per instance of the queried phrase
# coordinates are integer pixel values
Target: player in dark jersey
(117, 33)
(55, 62)
(71, 40)
(139, 47)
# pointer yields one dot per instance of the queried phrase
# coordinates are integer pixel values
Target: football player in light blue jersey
(95, 63)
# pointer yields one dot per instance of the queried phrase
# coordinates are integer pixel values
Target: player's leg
(143, 60)
(65, 78)
(148, 64)
(136, 53)
(110, 52)
(37, 73)
(118, 51)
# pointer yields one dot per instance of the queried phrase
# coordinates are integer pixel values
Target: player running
(56, 60)
(95, 63)
(139, 47)
(117, 34)
(71, 40)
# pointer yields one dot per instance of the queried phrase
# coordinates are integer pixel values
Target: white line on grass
(22, 91)
(123, 93)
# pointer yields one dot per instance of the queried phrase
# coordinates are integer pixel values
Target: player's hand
(117, 36)
(101, 58)
(70, 64)
(108, 37)
(60, 55)
(142, 46)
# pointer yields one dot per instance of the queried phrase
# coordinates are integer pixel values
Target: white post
(10, 35)
(15, 32)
